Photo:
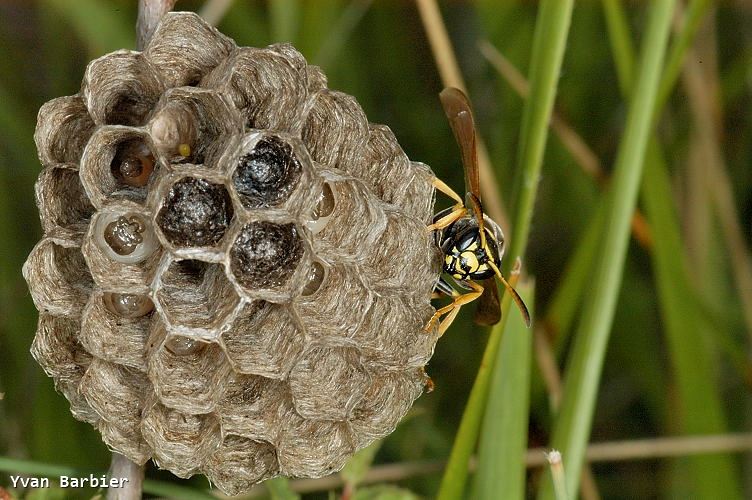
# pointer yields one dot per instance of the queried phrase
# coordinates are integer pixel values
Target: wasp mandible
(472, 243)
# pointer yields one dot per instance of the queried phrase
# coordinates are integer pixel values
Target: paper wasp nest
(235, 270)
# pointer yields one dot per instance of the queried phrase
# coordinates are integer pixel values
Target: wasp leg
(458, 210)
(457, 302)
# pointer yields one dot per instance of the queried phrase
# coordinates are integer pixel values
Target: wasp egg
(183, 346)
(133, 163)
(126, 238)
(128, 305)
(323, 210)
(315, 278)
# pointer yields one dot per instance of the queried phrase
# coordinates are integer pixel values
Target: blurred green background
(680, 321)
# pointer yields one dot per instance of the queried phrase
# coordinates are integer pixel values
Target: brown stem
(149, 14)
(122, 468)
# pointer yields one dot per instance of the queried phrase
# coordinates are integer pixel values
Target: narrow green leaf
(501, 450)
(699, 400)
(572, 427)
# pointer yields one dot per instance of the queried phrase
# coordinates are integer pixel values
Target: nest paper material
(235, 272)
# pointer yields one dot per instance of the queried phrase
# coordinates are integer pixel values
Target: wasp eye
(128, 305)
(125, 238)
(183, 346)
(323, 209)
(316, 275)
(133, 163)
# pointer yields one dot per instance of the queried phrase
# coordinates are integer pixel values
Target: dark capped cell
(267, 175)
(195, 213)
(265, 254)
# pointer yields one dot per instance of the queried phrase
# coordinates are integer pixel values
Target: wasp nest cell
(235, 274)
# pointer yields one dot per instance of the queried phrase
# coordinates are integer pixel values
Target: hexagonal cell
(271, 171)
(195, 296)
(335, 129)
(64, 126)
(264, 256)
(404, 258)
(121, 247)
(58, 278)
(392, 335)
(184, 48)
(313, 449)
(127, 442)
(239, 463)
(265, 86)
(181, 442)
(327, 382)
(121, 88)
(115, 327)
(333, 303)
(346, 221)
(79, 407)
(115, 392)
(187, 374)
(193, 125)
(264, 340)
(391, 175)
(57, 349)
(119, 163)
(384, 403)
(254, 407)
(316, 79)
(192, 212)
(62, 200)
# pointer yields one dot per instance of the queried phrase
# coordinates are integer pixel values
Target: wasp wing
(460, 115)
(488, 311)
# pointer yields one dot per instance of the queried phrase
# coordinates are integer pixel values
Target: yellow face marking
(472, 247)
(482, 268)
(470, 261)
(448, 260)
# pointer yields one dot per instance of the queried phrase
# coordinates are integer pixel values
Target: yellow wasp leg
(458, 210)
(457, 302)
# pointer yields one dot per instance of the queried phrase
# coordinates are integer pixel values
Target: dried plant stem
(572, 141)
(149, 14)
(214, 11)
(449, 70)
(613, 451)
(121, 467)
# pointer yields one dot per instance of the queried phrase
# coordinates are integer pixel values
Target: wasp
(471, 242)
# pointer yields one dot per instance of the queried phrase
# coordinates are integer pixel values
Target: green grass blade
(279, 489)
(550, 40)
(572, 427)
(501, 450)
(701, 409)
(552, 27)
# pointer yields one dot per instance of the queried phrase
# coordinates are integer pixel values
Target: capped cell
(64, 126)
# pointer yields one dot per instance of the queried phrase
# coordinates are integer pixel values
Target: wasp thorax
(133, 163)
(126, 238)
(195, 213)
(183, 346)
(323, 210)
(315, 278)
(128, 305)
(265, 254)
(267, 175)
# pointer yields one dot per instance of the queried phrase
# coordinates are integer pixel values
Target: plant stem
(121, 467)
(149, 14)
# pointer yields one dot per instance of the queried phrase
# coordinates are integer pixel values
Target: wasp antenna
(515, 296)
